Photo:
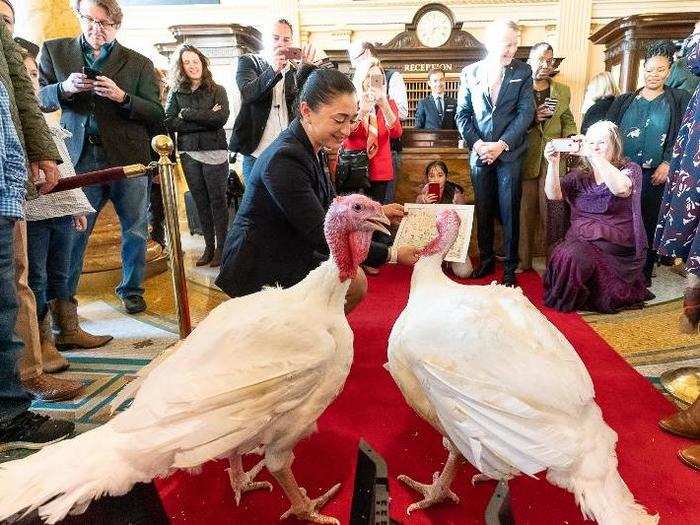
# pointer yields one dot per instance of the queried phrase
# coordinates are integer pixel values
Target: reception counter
(420, 147)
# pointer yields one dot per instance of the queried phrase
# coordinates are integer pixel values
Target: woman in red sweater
(378, 122)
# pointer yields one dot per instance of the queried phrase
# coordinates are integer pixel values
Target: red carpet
(372, 407)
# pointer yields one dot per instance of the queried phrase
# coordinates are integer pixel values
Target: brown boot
(70, 334)
(51, 359)
(50, 388)
(691, 456)
(685, 423)
(691, 311)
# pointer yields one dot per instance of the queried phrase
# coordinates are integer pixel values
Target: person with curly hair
(649, 119)
(197, 109)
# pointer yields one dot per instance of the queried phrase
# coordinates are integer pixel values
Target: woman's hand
(660, 175)
(551, 154)
(430, 198)
(217, 107)
(80, 222)
(394, 212)
(367, 102)
(408, 255)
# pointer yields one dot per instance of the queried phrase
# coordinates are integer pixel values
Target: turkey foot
(478, 478)
(242, 481)
(439, 490)
(302, 507)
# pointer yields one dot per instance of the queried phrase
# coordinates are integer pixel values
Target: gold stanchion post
(163, 145)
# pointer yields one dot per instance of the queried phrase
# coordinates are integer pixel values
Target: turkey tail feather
(600, 491)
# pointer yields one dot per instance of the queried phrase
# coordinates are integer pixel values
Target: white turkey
(258, 371)
(504, 387)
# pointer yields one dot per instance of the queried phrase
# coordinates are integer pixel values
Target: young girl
(450, 193)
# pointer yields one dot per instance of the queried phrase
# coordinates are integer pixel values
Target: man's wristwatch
(127, 99)
(505, 145)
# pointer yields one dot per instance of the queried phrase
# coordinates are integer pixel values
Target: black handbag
(352, 173)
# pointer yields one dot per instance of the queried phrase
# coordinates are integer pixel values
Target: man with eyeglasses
(553, 119)
(267, 83)
(110, 102)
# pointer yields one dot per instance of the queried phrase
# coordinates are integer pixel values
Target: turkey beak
(379, 223)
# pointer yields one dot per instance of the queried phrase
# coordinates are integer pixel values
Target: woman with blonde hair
(599, 96)
(598, 265)
(378, 122)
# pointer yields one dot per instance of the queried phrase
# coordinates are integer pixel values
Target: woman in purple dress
(677, 231)
(598, 265)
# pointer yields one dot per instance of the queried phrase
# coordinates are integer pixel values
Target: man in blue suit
(437, 110)
(495, 108)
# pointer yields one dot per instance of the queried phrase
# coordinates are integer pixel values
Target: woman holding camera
(197, 109)
(378, 122)
(598, 265)
(649, 119)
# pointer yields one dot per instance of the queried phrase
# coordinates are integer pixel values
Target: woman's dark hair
(321, 86)
(539, 46)
(660, 48)
(179, 79)
(440, 164)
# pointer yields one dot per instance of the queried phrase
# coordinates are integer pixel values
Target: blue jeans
(49, 246)
(130, 199)
(14, 399)
(248, 163)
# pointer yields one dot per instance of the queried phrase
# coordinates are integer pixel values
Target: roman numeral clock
(434, 27)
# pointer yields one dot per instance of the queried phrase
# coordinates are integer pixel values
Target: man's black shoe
(509, 280)
(484, 270)
(33, 431)
(134, 304)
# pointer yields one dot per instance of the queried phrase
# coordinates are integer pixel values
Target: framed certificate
(418, 228)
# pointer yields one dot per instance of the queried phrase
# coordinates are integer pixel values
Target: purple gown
(598, 265)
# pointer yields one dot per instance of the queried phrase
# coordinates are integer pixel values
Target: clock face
(434, 28)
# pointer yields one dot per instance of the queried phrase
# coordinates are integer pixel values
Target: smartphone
(91, 73)
(566, 145)
(376, 81)
(434, 189)
(293, 53)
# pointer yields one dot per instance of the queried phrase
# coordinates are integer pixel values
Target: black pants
(377, 191)
(497, 190)
(651, 204)
(157, 214)
(207, 183)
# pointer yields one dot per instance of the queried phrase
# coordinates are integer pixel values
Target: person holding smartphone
(553, 119)
(598, 265)
(268, 87)
(439, 190)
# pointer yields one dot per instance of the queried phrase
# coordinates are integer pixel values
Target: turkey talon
(242, 483)
(309, 509)
(432, 494)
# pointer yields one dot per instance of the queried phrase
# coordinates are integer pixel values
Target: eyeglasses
(92, 22)
(8, 21)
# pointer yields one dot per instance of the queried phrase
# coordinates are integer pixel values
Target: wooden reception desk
(420, 147)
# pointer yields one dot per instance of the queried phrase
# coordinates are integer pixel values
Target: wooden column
(573, 43)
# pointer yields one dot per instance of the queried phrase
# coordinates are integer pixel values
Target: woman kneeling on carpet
(277, 236)
(598, 265)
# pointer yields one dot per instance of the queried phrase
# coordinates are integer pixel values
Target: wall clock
(434, 28)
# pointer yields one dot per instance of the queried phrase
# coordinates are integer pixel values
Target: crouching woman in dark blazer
(277, 236)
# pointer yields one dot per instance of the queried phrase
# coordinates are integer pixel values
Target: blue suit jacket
(507, 119)
(427, 116)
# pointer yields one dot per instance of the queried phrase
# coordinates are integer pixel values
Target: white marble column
(572, 43)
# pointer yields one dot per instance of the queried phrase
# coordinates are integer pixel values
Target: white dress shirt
(278, 120)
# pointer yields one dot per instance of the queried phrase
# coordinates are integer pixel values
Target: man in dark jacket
(437, 110)
(495, 108)
(110, 102)
(268, 88)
